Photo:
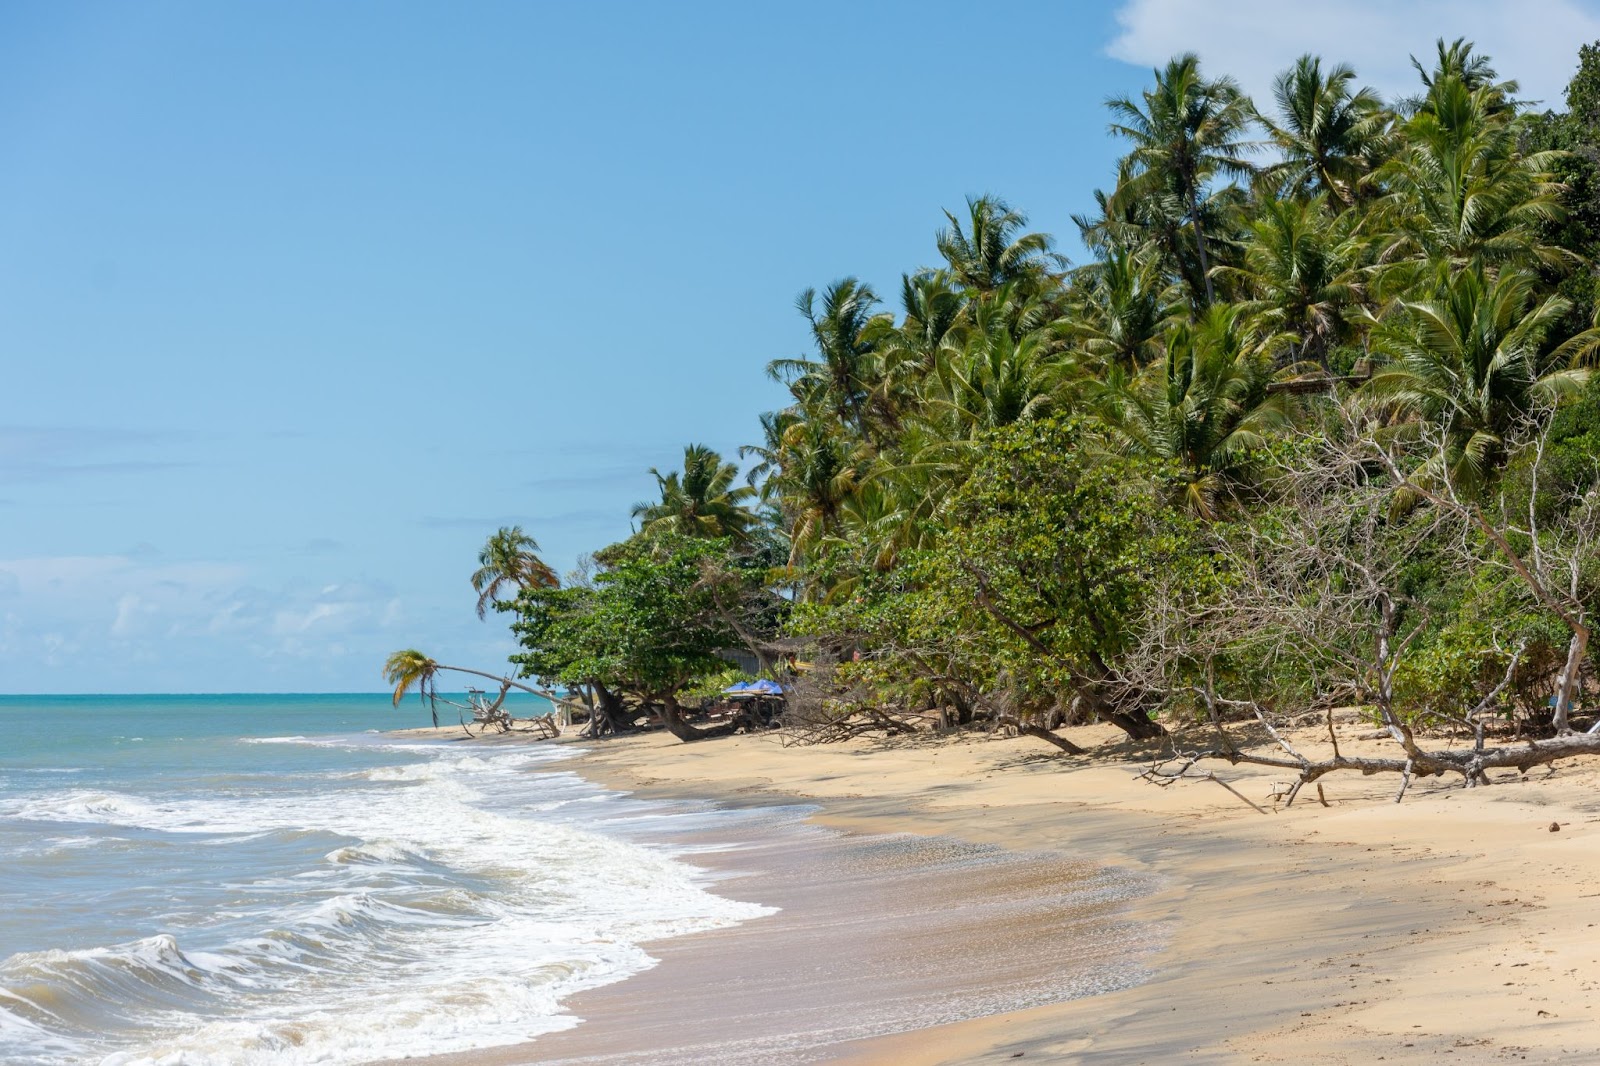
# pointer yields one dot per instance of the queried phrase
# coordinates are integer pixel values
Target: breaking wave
(406, 909)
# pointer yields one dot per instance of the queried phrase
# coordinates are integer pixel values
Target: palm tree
(933, 324)
(812, 468)
(1467, 363)
(1300, 275)
(409, 668)
(999, 379)
(1120, 310)
(774, 424)
(842, 375)
(993, 249)
(1328, 131)
(1187, 132)
(701, 501)
(1205, 408)
(1462, 191)
(509, 557)
(1457, 61)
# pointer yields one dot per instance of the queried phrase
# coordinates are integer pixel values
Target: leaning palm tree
(509, 557)
(1186, 132)
(410, 668)
(701, 501)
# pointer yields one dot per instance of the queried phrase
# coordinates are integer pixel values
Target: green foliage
(649, 625)
(701, 501)
(1062, 539)
(1045, 570)
(1479, 623)
(1573, 446)
(509, 559)
(998, 491)
(717, 683)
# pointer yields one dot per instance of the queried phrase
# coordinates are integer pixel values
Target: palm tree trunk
(1200, 243)
(497, 678)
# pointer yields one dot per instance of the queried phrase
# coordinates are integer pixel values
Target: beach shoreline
(1452, 924)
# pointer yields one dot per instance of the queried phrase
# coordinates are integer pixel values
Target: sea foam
(460, 912)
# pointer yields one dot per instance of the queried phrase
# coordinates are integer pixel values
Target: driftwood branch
(1160, 774)
(1472, 764)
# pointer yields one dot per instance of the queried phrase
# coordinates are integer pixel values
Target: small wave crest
(85, 989)
(87, 805)
(375, 853)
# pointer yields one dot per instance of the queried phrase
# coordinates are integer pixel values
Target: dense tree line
(1315, 422)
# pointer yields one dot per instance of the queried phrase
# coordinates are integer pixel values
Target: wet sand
(878, 933)
(1456, 924)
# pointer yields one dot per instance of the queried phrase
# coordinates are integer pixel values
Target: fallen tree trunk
(1471, 764)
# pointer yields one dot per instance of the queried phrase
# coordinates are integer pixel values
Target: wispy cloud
(1533, 41)
(49, 453)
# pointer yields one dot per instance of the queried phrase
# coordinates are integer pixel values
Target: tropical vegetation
(1313, 421)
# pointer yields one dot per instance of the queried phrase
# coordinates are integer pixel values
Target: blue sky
(298, 302)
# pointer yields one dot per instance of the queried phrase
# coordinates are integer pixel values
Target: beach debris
(1555, 827)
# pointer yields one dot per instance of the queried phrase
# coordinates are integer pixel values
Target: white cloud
(68, 619)
(1534, 41)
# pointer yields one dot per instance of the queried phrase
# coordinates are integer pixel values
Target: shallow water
(254, 880)
(198, 880)
(875, 934)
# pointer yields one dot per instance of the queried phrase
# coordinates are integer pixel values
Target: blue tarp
(754, 688)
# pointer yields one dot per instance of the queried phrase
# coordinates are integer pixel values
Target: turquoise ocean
(244, 879)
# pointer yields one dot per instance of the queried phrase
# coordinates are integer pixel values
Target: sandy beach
(1454, 924)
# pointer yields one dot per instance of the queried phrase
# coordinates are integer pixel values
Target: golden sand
(1454, 925)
